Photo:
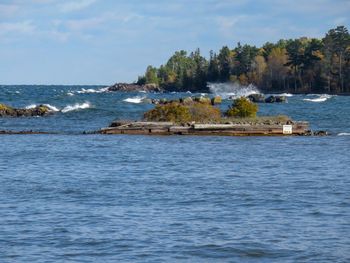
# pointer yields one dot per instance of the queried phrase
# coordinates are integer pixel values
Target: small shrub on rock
(242, 108)
(182, 113)
(174, 112)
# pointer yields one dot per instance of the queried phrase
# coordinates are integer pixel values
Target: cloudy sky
(107, 41)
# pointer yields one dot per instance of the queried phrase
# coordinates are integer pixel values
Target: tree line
(301, 65)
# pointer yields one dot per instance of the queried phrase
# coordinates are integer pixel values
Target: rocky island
(200, 116)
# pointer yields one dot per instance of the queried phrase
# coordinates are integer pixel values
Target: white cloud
(24, 27)
(76, 5)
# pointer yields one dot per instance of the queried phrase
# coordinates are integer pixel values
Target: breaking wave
(320, 98)
(134, 100)
(227, 90)
(344, 134)
(76, 106)
(52, 108)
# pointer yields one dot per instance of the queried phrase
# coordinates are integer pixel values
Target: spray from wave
(230, 90)
(136, 100)
(76, 106)
(320, 98)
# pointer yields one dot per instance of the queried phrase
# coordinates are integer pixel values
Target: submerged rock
(320, 133)
(7, 111)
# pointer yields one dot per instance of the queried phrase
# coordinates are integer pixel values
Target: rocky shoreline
(7, 111)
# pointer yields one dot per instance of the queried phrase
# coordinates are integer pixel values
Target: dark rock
(278, 99)
(126, 87)
(270, 99)
(256, 98)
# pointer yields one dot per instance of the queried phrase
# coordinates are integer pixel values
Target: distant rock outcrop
(7, 111)
(126, 87)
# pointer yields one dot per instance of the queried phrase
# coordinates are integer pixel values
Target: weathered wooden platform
(169, 128)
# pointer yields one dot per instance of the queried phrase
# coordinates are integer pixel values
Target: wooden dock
(169, 128)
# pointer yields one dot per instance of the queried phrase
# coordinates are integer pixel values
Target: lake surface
(70, 197)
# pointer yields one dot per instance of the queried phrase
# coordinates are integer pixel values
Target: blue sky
(107, 41)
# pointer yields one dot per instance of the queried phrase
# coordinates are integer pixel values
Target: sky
(100, 42)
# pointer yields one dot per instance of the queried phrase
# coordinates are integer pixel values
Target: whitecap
(84, 91)
(344, 134)
(134, 100)
(286, 94)
(76, 106)
(70, 93)
(321, 98)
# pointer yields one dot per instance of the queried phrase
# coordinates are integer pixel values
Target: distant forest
(300, 65)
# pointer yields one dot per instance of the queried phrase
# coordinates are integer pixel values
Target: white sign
(287, 129)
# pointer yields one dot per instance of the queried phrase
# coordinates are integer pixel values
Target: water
(94, 198)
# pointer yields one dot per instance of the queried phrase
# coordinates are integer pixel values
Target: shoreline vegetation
(299, 66)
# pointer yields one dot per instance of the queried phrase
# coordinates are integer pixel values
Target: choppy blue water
(94, 198)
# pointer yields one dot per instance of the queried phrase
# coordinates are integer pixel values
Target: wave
(134, 100)
(226, 90)
(320, 98)
(76, 106)
(51, 108)
(86, 91)
(70, 93)
(286, 94)
(344, 134)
